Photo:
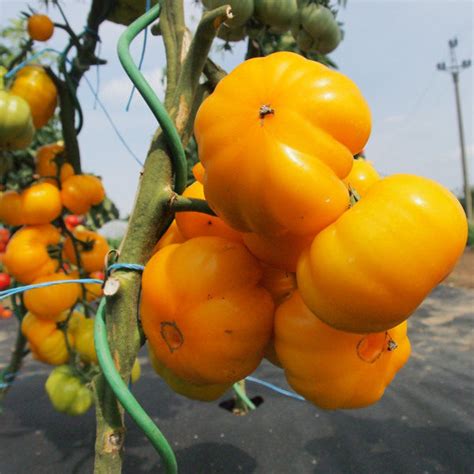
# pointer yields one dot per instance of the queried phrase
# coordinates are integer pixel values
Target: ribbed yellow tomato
(275, 151)
(335, 369)
(46, 340)
(216, 319)
(203, 393)
(92, 248)
(50, 301)
(27, 255)
(371, 269)
(196, 224)
(80, 192)
(46, 166)
(33, 84)
(10, 208)
(171, 236)
(40, 204)
(362, 176)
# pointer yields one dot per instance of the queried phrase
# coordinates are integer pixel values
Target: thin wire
(142, 57)
(97, 75)
(282, 391)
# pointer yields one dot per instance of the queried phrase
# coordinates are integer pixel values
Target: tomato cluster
(312, 260)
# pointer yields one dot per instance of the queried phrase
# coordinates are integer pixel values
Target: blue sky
(390, 50)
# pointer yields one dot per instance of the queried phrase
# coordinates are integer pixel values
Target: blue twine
(109, 118)
(142, 57)
(282, 391)
(126, 266)
(20, 289)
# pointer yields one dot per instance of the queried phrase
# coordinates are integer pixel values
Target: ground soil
(463, 274)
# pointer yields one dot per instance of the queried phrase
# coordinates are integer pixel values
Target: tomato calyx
(172, 335)
(265, 110)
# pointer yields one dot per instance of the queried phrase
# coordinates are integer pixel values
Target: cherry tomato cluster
(312, 260)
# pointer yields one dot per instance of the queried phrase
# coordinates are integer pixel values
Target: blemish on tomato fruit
(228, 331)
(172, 335)
(372, 346)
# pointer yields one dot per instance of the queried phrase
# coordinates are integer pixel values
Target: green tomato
(66, 391)
(16, 124)
(276, 14)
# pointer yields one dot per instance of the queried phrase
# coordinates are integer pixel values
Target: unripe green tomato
(232, 34)
(315, 29)
(276, 14)
(242, 10)
(16, 124)
(67, 393)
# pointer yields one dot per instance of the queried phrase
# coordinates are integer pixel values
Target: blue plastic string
(126, 266)
(13, 71)
(282, 391)
(142, 57)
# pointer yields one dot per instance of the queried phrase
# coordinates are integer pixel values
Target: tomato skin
(252, 162)
(84, 340)
(49, 302)
(373, 267)
(212, 329)
(335, 369)
(80, 192)
(280, 251)
(27, 256)
(33, 84)
(40, 204)
(199, 172)
(11, 208)
(196, 224)
(5, 281)
(362, 176)
(40, 27)
(67, 393)
(203, 393)
(46, 166)
(171, 236)
(92, 260)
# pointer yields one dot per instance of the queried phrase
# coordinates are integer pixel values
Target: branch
(213, 72)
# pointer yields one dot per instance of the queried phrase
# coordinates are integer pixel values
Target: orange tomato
(362, 176)
(80, 192)
(280, 251)
(373, 267)
(210, 329)
(275, 151)
(199, 172)
(195, 224)
(46, 166)
(27, 255)
(49, 302)
(40, 27)
(83, 333)
(47, 342)
(94, 290)
(33, 84)
(203, 393)
(335, 369)
(11, 209)
(92, 249)
(171, 236)
(40, 204)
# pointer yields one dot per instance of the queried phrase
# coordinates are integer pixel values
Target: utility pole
(454, 68)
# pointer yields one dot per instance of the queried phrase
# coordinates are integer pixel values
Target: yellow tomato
(275, 151)
(373, 267)
(216, 319)
(46, 166)
(80, 192)
(196, 224)
(11, 209)
(49, 302)
(40, 204)
(362, 176)
(335, 369)
(27, 255)
(92, 248)
(171, 236)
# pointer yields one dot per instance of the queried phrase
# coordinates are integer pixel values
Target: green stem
(185, 204)
(242, 403)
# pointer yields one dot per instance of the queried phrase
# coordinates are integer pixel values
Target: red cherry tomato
(73, 220)
(5, 281)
